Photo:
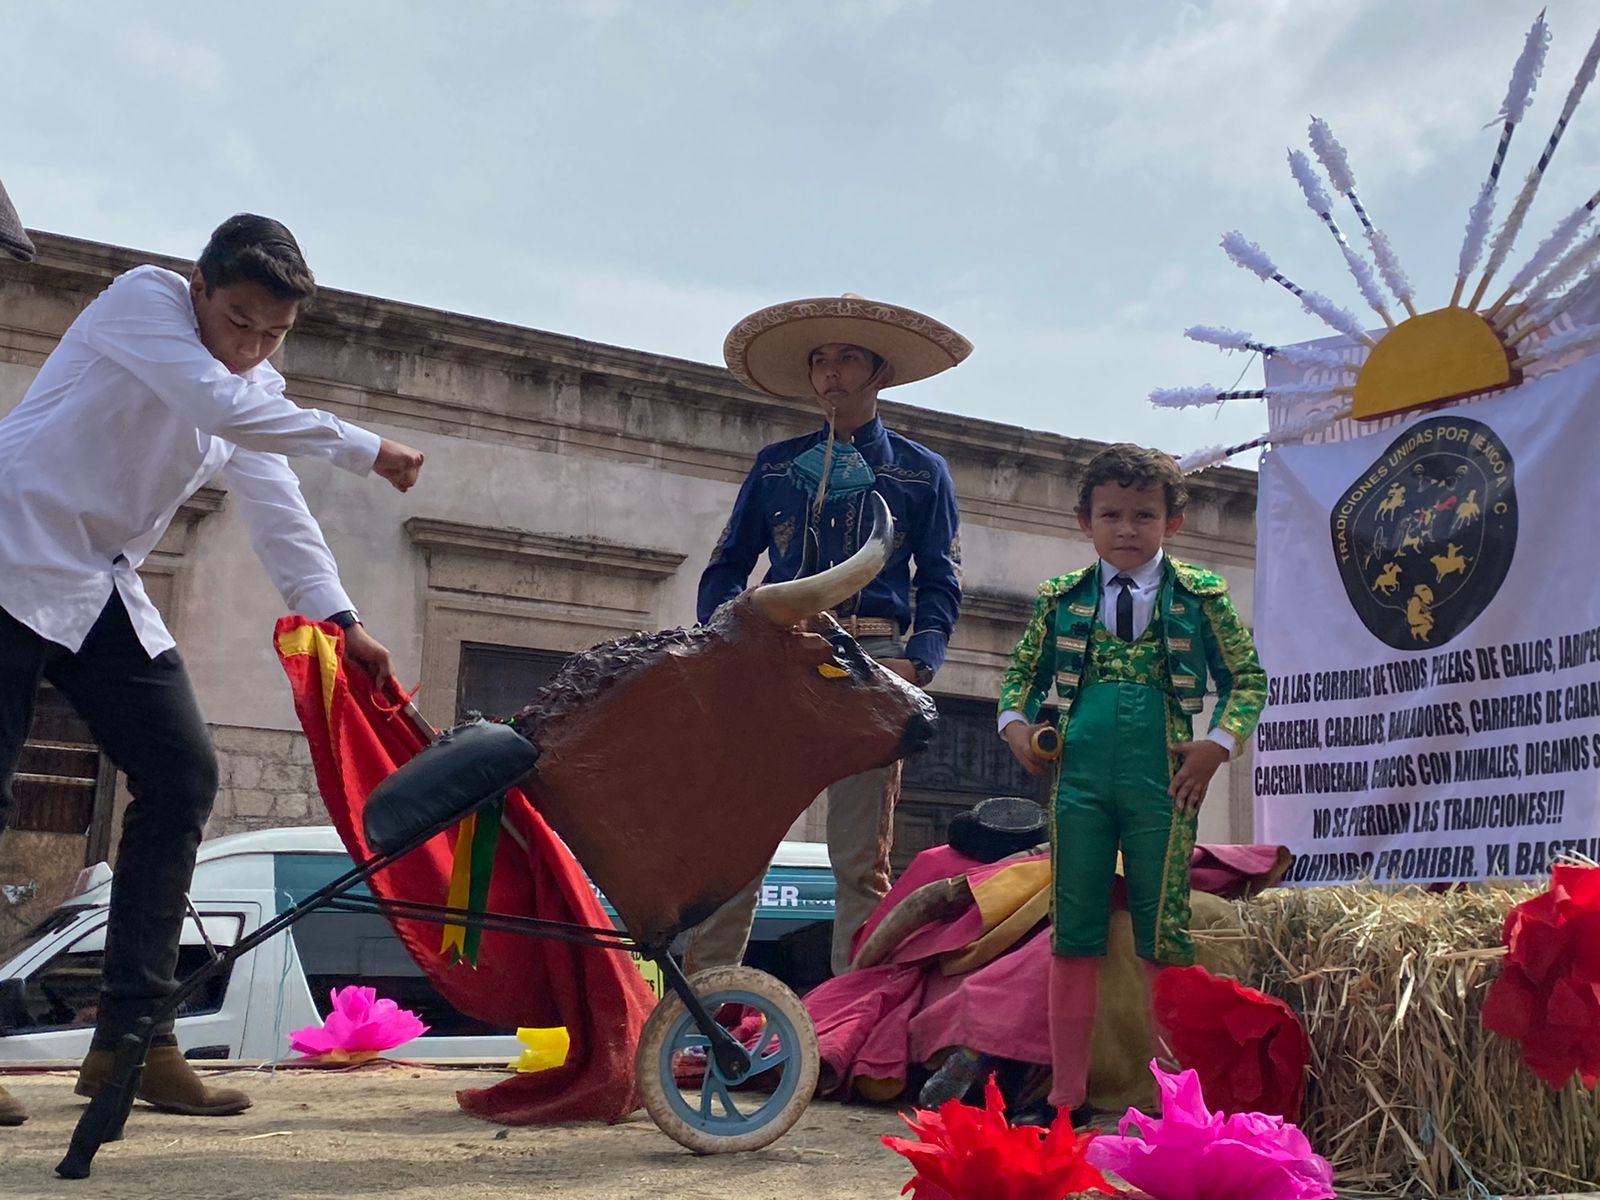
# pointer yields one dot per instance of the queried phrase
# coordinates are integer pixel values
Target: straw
(1409, 1094)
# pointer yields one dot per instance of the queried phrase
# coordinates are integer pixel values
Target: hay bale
(1409, 1094)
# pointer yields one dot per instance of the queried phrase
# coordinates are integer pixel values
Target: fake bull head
(672, 764)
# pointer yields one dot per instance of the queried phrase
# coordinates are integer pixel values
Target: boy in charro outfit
(1125, 647)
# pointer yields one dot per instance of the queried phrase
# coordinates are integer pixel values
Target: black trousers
(143, 712)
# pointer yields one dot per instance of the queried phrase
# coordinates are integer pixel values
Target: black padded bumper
(465, 769)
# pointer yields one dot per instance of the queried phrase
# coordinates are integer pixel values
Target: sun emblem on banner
(1422, 359)
(1425, 537)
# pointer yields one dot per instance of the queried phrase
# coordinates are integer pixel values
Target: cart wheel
(783, 1065)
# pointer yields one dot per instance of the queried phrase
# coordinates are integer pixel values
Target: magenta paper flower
(1191, 1153)
(360, 1027)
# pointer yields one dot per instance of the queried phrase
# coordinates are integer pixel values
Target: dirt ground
(395, 1132)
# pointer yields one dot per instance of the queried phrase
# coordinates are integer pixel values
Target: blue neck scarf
(848, 475)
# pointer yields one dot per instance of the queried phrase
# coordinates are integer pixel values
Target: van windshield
(57, 920)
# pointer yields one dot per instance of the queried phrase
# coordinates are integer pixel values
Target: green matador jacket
(1203, 636)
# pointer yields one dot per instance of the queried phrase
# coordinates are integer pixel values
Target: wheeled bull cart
(753, 1090)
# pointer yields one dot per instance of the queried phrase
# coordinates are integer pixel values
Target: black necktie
(1125, 608)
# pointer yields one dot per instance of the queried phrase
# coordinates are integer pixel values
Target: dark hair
(1135, 467)
(248, 248)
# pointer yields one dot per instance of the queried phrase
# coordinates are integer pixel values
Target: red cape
(358, 739)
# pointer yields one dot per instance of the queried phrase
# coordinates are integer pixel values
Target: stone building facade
(572, 493)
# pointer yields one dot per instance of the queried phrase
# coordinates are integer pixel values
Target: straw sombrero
(770, 350)
(13, 238)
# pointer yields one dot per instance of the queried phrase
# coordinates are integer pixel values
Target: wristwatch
(346, 618)
(924, 672)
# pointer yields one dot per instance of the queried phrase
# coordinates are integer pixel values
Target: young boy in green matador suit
(1125, 647)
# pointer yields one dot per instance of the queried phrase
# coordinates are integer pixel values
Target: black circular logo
(1424, 538)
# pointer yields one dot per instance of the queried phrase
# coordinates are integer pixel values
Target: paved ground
(395, 1133)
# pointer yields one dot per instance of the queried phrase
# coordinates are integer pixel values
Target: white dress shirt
(128, 416)
(1146, 587)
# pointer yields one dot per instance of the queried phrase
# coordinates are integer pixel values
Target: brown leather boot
(168, 1083)
(11, 1110)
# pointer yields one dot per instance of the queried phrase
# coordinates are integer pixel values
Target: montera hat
(999, 827)
(13, 238)
(770, 350)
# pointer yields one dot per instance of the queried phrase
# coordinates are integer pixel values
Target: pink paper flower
(1190, 1153)
(360, 1027)
(966, 1153)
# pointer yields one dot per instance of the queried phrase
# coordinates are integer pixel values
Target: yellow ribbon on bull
(470, 869)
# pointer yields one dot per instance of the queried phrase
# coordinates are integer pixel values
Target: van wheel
(718, 1115)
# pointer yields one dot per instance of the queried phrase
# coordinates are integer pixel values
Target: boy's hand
(399, 464)
(364, 649)
(1200, 762)
(1019, 736)
(901, 667)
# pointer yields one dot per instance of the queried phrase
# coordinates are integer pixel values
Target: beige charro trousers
(860, 832)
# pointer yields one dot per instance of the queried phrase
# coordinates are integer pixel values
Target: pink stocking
(1152, 972)
(1074, 984)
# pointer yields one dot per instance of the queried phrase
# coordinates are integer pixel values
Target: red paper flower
(967, 1153)
(1249, 1049)
(1548, 994)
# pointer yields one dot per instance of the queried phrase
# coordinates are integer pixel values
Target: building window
(966, 762)
(63, 784)
(500, 681)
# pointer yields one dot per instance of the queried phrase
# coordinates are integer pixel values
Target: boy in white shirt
(159, 384)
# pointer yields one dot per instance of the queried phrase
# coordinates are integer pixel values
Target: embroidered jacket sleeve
(1027, 681)
(736, 552)
(937, 582)
(1231, 657)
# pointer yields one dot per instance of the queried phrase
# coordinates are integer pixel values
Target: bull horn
(790, 603)
(936, 901)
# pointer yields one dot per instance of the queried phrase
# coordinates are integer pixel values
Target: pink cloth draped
(877, 1022)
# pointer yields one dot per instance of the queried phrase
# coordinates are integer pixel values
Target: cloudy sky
(1050, 177)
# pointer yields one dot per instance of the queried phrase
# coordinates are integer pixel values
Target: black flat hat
(13, 238)
(998, 828)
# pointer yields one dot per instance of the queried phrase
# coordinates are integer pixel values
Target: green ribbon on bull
(476, 839)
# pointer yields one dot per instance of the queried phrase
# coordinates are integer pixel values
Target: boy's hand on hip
(1199, 762)
(399, 464)
(1019, 736)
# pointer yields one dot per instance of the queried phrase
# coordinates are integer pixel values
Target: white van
(49, 988)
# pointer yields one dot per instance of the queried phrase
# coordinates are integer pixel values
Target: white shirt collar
(1145, 575)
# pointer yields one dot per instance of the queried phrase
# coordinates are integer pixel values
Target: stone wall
(266, 781)
(37, 871)
(573, 492)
